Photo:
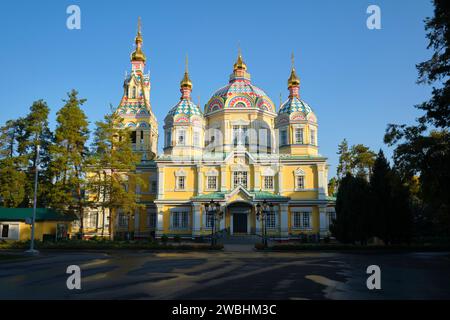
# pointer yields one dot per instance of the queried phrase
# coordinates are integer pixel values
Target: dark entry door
(239, 223)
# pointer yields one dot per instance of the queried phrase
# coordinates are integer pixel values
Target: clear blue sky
(356, 80)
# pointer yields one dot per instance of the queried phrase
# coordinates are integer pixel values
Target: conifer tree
(69, 158)
(113, 177)
(36, 132)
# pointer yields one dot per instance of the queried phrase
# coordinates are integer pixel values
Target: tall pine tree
(70, 156)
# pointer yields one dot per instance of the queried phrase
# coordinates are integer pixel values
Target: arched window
(133, 94)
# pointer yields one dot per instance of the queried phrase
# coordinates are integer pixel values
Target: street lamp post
(262, 211)
(214, 209)
(33, 221)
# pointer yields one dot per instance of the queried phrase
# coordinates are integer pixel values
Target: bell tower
(135, 106)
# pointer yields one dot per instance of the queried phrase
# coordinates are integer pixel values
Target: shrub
(259, 246)
(164, 239)
(177, 239)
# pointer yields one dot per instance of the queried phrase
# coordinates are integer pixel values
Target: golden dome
(293, 79)
(137, 54)
(186, 81)
(240, 64)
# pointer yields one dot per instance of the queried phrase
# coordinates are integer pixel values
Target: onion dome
(239, 93)
(186, 81)
(294, 106)
(240, 64)
(138, 54)
(293, 79)
(185, 106)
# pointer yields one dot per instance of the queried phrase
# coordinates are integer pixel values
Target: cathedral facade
(259, 168)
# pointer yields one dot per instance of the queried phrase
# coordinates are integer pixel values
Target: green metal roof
(207, 196)
(259, 195)
(42, 214)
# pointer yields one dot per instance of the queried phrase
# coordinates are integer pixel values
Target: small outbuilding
(15, 224)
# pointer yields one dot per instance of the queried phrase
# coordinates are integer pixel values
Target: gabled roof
(42, 214)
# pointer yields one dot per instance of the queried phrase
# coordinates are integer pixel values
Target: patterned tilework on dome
(294, 104)
(240, 86)
(133, 108)
(186, 107)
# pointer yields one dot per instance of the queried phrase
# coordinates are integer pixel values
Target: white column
(321, 183)
(280, 180)
(199, 180)
(284, 220)
(257, 178)
(323, 226)
(159, 221)
(223, 182)
(196, 227)
(160, 182)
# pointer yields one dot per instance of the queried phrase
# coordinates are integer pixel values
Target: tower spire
(293, 81)
(137, 54)
(186, 84)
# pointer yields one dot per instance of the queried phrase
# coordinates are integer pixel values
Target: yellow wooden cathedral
(238, 153)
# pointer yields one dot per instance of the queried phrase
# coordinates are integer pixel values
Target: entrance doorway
(240, 216)
(239, 223)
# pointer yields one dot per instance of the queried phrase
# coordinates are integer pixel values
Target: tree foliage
(69, 155)
(352, 206)
(357, 160)
(113, 179)
(423, 149)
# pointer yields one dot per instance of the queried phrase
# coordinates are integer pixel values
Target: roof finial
(186, 81)
(240, 64)
(138, 55)
(292, 60)
(293, 78)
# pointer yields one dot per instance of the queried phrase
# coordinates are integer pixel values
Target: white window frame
(312, 136)
(272, 219)
(235, 178)
(13, 230)
(196, 138)
(211, 183)
(302, 130)
(150, 218)
(123, 220)
(181, 183)
(180, 175)
(268, 183)
(209, 216)
(299, 173)
(298, 219)
(239, 134)
(91, 215)
(180, 219)
(181, 132)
